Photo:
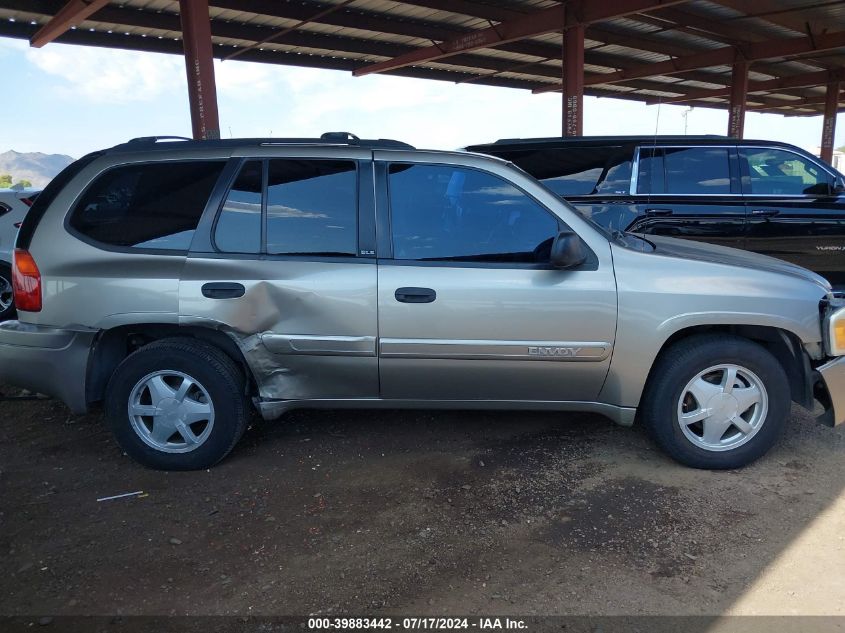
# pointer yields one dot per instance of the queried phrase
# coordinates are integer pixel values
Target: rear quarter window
(146, 206)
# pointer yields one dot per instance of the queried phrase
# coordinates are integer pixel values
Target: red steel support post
(573, 81)
(199, 62)
(829, 122)
(739, 92)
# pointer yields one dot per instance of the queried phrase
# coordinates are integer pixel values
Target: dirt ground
(397, 512)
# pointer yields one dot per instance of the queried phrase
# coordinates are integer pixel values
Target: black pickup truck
(764, 196)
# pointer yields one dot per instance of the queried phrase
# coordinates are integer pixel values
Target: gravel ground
(397, 512)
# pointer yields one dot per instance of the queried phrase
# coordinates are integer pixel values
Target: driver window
(440, 212)
(774, 171)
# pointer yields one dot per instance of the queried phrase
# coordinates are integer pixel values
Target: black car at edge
(764, 196)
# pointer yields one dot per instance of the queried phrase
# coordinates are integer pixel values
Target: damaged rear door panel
(289, 275)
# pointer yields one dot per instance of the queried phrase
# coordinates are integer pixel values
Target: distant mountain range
(36, 167)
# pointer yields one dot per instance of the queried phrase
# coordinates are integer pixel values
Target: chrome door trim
(310, 345)
(494, 350)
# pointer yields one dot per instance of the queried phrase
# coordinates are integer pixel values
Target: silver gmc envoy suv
(178, 282)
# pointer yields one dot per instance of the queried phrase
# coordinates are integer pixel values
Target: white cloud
(260, 99)
(109, 76)
(242, 80)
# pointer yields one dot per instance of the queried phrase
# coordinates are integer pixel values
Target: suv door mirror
(568, 251)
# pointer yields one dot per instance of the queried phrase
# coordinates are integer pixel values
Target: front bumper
(833, 377)
(46, 360)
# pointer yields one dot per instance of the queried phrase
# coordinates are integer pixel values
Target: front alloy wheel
(723, 407)
(716, 401)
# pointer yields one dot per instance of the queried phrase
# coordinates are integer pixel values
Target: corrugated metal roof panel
(356, 31)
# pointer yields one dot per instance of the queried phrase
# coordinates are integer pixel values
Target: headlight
(835, 332)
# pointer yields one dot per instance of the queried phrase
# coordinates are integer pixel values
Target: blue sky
(72, 99)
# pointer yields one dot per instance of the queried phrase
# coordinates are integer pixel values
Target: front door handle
(765, 213)
(223, 290)
(415, 295)
(658, 212)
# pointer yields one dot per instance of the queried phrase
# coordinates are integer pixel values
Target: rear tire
(177, 404)
(7, 298)
(716, 401)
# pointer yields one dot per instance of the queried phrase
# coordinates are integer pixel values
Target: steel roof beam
(809, 80)
(71, 14)
(165, 21)
(556, 18)
(726, 55)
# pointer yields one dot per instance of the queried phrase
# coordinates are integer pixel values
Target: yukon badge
(560, 352)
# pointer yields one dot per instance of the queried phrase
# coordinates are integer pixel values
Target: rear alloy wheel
(177, 404)
(171, 412)
(716, 401)
(7, 294)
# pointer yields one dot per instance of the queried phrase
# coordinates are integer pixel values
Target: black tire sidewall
(682, 365)
(214, 376)
(8, 314)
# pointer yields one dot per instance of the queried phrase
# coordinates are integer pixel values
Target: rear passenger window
(156, 205)
(312, 208)
(308, 207)
(579, 171)
(685, 170)
(239, 225)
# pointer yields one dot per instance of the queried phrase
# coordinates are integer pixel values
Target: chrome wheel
(7, 294)
(723, 407)
(171, 412)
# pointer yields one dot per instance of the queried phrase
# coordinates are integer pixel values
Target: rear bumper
(833, 376)
(46, 360)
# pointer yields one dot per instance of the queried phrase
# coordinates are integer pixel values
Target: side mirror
(568, 251)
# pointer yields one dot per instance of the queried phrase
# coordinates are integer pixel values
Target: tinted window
(239, 224)
(774, 171)
(603, 174)
(685, 170)
(697, 170)
(650, 175)
(448, 213)
(312, 208)
(579, 170)
(147, 206)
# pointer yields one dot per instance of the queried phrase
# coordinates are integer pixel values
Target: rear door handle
(765, 213)
(223, 290)
(415, 295)
(658, 212)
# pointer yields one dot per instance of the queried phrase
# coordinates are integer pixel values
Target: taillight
(18, 225)
(26, 280)
(27, 201)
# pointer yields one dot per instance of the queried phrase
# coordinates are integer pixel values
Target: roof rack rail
(145, 140)
(328, 138)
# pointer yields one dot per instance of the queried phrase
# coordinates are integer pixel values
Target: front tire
(177, 404)
(716, 402)
(7, 295)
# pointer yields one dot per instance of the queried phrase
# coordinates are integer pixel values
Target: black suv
(768, 197)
